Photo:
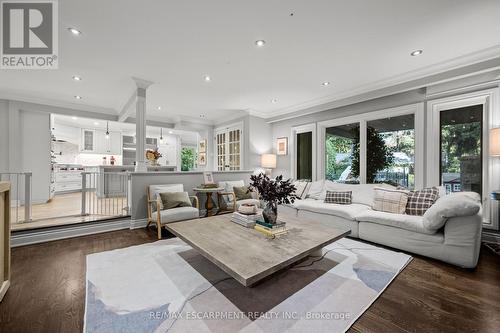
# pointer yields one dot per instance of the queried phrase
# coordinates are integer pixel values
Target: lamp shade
(495, 142)
(268, 161)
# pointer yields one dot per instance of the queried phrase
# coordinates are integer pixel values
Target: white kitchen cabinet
(88, 141)
(95, 141)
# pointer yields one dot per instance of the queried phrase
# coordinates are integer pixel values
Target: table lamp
(268, 162)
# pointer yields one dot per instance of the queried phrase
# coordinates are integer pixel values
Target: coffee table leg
(208, 205)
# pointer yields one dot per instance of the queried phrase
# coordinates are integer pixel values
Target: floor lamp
(495, 152)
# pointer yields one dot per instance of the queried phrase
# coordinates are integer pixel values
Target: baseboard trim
(490, 237)
(28, 237)
(137, 224)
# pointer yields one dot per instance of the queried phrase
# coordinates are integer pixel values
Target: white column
(140, 124)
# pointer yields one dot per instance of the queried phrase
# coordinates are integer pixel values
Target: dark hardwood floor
(48, 290)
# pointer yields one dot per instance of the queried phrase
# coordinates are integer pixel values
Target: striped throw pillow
(390, 200)
(336, 197)
(421, 200)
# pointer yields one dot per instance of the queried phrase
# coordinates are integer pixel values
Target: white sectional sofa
(449, 231)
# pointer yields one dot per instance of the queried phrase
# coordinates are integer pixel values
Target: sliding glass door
(461, 149)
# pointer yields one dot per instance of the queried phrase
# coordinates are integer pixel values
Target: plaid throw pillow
(341, 198)
(390, 200)
(420, 201)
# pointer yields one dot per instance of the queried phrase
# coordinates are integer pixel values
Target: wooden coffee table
(246, 254)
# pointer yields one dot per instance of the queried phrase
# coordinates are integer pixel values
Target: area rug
(167, 286)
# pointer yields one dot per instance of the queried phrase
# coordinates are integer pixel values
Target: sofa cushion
(452, 205)
(155, 190)
(339, 197)
(177, 214)
(390, 200)
(361, 193)
(315, 189)
(242, 192)
(421, 200)
(175, 199)
(407, 222)
(228, 187)
(317, 206)
(302, 188)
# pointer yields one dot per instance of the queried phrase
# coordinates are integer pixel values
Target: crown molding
(415, 75)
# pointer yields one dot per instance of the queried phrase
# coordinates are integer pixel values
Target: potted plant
(274, 192)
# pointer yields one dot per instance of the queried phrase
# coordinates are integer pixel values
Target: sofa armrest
(194, 201)
(462, 239)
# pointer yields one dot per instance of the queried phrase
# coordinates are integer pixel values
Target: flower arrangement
(153, 154)
(274, 192)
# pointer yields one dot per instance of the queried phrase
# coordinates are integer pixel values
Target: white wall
(35, 152)
(4, 136)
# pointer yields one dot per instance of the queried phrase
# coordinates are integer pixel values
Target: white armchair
(227, 198)
(160, 216)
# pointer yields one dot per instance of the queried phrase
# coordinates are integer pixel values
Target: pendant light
(107, 130)
(161, 135)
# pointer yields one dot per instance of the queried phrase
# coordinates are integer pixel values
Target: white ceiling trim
(444, 66)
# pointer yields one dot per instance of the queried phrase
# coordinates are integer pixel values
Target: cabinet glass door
(228, 148)
(88, 140)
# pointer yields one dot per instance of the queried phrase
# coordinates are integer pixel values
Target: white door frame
(227, 129)
(491, 165)
(417, 109)
(293, 152)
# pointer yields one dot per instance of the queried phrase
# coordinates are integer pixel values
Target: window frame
(491, 167)
(226, 129)
(362, 119)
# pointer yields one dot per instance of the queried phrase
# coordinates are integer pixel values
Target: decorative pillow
(175, 199)
(341, 198)
(451, 205)
(421, 200)
(242, 192)
(228, 187)
(315, 189)
(301, 187)
(390, 200)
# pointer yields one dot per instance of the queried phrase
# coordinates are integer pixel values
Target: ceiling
(353, 44)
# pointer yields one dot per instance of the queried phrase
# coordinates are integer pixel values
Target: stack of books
(208, 186)
(245, 220)
(271, 230)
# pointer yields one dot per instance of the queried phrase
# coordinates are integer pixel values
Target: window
(341, 150)
(390, 151)
(460, 136)
(188, 158)
(304, 155)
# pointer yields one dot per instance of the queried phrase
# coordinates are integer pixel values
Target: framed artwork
(208, 178)
(282, 146)
(202, 148)
(202, 159)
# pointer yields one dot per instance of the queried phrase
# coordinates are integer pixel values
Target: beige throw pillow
(175, 199)
(390, 200)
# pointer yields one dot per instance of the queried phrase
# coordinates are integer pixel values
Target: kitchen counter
(131, 168)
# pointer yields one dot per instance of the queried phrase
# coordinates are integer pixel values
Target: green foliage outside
(188, 159)
(337, 145)
(457, 141)
(379, 156)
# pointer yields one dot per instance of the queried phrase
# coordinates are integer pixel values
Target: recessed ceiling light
(96, 123)
(274, 101)
(78, 97)
(75, 31)
(416, 53)
(260, 42)
(326, 83)
(159, 108)
(207, 78)
(77, 78)
(170, 132)
(74, 118)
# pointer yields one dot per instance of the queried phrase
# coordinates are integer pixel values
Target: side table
(208, 192)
